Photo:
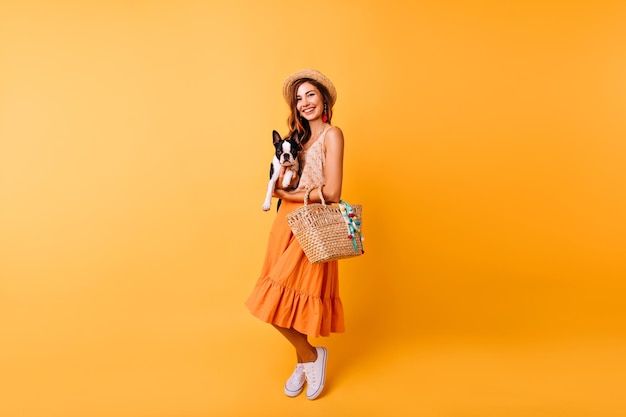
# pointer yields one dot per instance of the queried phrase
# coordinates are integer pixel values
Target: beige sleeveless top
(314, 160)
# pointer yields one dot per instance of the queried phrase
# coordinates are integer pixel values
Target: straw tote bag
(327, 232)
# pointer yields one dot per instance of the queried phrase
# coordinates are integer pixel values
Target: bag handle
(308, 191)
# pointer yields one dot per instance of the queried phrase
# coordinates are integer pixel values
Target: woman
(298, 298)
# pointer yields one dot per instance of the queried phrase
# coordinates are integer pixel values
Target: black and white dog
(285, 163)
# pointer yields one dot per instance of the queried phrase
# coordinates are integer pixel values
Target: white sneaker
(295, 383)
(315, 374)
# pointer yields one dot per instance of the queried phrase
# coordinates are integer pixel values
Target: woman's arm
(333, 143)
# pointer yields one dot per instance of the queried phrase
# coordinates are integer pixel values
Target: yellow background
(486, 141)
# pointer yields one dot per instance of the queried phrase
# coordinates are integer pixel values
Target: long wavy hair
(299, 125)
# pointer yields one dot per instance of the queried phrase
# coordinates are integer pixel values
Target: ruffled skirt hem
(285, 307)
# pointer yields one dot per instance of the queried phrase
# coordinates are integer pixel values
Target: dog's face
(286, 149)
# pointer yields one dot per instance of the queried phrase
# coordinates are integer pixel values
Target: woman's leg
(304, 350)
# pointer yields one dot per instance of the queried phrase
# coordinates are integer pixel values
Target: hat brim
(313, 75)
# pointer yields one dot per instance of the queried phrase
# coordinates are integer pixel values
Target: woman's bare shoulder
(334, 134)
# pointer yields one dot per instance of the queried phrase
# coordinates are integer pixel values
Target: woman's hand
(280, 193)
(295, 178)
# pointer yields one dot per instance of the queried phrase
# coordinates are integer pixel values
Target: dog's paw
(266, 207)
(290, 181)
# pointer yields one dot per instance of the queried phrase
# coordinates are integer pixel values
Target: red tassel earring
(325, 114)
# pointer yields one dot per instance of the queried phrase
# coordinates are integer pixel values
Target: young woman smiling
(300, 299)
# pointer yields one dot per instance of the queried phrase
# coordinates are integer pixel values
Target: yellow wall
(485, 141)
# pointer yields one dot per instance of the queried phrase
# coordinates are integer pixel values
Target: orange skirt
(293, 293)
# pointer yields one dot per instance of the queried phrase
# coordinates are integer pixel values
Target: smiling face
(309, 101)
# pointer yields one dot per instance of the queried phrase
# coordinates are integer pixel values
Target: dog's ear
(296, 136)
(276, 137)
(296, 143)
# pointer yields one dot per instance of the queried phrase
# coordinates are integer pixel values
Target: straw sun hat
(313, 75)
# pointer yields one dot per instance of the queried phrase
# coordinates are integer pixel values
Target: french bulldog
(285, 163)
